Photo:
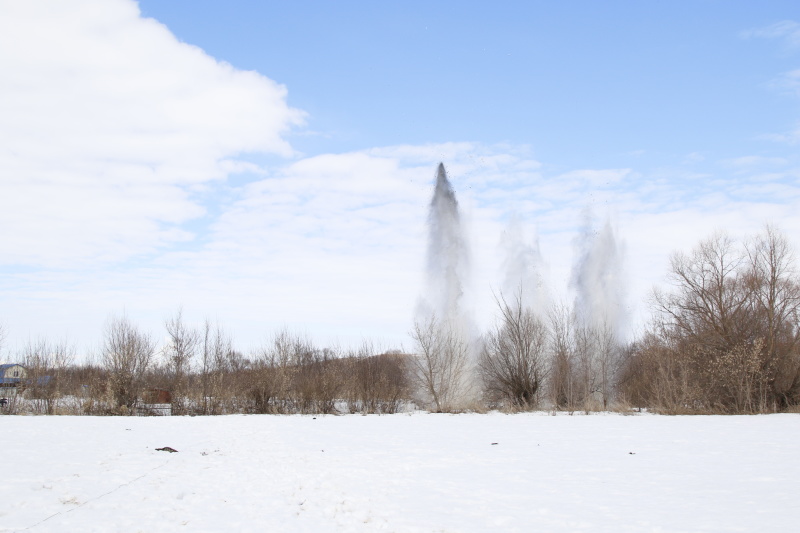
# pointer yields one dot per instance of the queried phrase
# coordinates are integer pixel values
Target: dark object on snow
(494, 444)
(166, 449)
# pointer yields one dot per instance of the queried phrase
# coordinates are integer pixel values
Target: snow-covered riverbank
(419, 472)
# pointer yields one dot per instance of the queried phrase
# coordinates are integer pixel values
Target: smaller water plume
(597, 278)
(523, 267)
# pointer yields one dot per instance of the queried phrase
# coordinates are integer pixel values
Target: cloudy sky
(270, 164)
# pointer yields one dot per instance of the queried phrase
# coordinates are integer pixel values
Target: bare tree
(592, 366)
(563, 355)
(126, 354)
(513, 360)
(178, 355)
(276, 369)
(776, 303)
(710, 304)
(374, 381)
(207, 363)
(584, 367)
(440, 367)
(660, 377)
(46, 365)
(219, 364)
(729, 329)
(586, 361)
(319, 381)
(291, 375)
(609, 359)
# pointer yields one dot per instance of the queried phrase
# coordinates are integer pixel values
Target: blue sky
(583, 83)
(269, 164)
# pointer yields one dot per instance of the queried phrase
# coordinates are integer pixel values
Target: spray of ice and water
(597, 278)
(448, 258)
(597, 274)
(523, 268)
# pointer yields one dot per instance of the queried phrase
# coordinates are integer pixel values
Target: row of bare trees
(724, 338)
(199, 372)
(524, 362)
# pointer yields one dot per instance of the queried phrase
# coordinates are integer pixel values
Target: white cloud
(791, 137)
(335, 244)
(109, 124)
(694, 157)
(116, 139)
(788, 82)
(751, 161)
(787, 30)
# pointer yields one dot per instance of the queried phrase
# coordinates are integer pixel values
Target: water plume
(523, 267)
(597, 278)
(447, 261)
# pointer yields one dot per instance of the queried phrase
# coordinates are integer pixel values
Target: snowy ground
(420, 472)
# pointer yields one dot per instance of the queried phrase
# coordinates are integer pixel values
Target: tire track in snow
(96, 498)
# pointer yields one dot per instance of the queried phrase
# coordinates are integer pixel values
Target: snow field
(401, 473)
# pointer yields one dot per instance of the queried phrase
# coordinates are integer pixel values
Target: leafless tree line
(199, 372)
(725, 338)
(524, 362)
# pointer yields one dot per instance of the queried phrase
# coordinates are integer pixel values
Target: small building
(155, 402)
(12, 379)
(157, 396)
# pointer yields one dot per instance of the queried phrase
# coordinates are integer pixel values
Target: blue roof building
(11, 375)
